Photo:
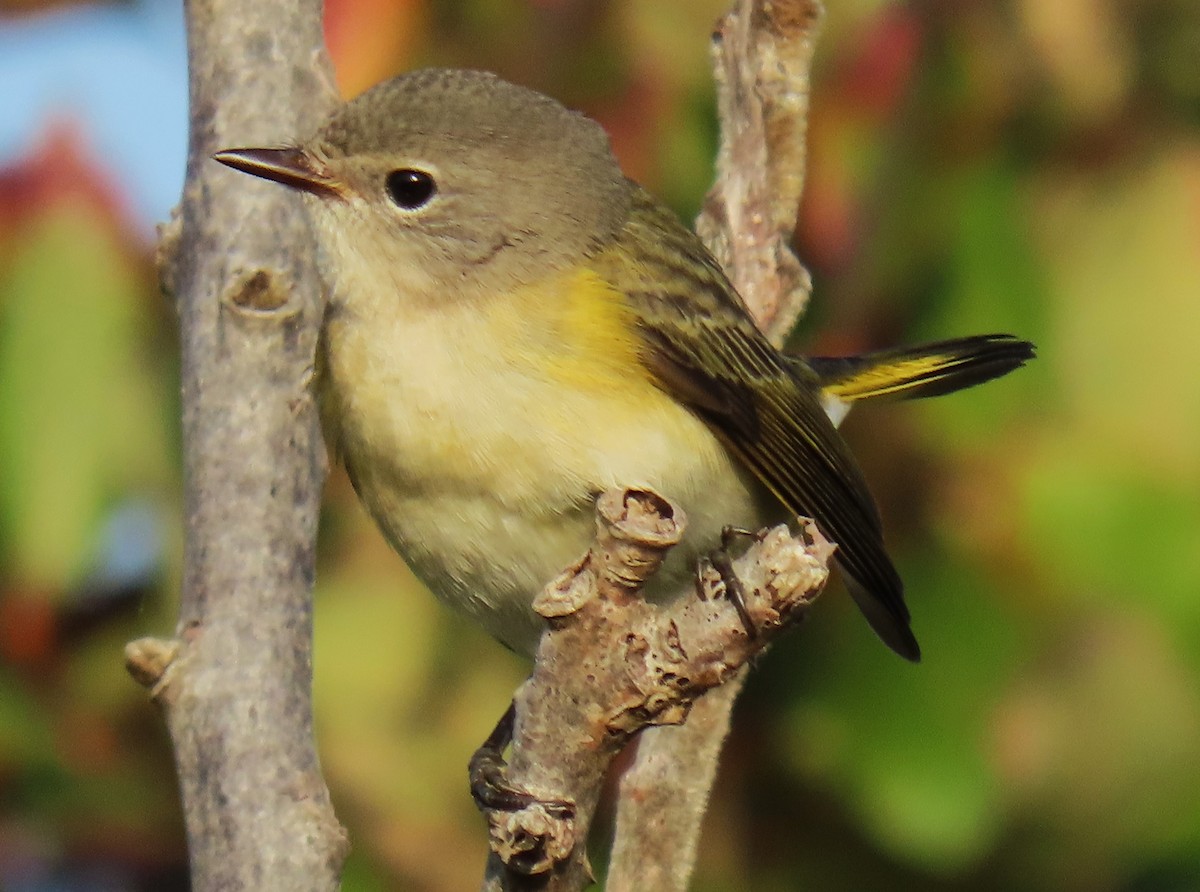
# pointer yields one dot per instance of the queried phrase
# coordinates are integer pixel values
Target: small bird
(514, 327)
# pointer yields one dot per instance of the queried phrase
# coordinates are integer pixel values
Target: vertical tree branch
(235, 684)
(762, 54)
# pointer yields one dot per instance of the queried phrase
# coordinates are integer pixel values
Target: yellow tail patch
(892, 379)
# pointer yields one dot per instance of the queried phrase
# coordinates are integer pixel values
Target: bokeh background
(975, 165)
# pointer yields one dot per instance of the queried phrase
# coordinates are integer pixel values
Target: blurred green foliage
(996, 166)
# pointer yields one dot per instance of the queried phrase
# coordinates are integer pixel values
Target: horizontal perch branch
(612, 664)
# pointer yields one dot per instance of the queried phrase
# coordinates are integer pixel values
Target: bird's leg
(722, 562)
(488, 773)
(734, 591)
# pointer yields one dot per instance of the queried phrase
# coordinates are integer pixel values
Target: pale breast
(481, 464)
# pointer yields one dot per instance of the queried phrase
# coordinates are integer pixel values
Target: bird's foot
(488, 772)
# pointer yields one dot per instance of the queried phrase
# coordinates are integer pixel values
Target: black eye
(410, 189)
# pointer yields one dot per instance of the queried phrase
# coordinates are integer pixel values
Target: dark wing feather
(703, 348)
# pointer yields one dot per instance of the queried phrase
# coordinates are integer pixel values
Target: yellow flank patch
(577, 331)
(890, 378)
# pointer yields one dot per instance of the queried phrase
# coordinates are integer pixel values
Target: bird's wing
(703, 349)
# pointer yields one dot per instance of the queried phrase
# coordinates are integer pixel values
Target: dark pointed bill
(290, 166)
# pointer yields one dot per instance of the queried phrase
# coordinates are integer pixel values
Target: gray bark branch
(235, 682)
(611, 664)
(762, 54)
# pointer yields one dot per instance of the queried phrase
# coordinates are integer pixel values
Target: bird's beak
(290, 166)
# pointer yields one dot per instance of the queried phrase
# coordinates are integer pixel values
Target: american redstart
(514, 326)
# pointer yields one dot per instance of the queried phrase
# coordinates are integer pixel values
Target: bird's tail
(915, 372)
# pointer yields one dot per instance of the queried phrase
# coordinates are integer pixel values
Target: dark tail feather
(893, 630)
(926, 370)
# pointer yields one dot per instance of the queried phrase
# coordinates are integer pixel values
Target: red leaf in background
(865, 92)
(877, 78)
(60, 170)
(631, 120)
(371, 40)
(829, 220)
(28, 630)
